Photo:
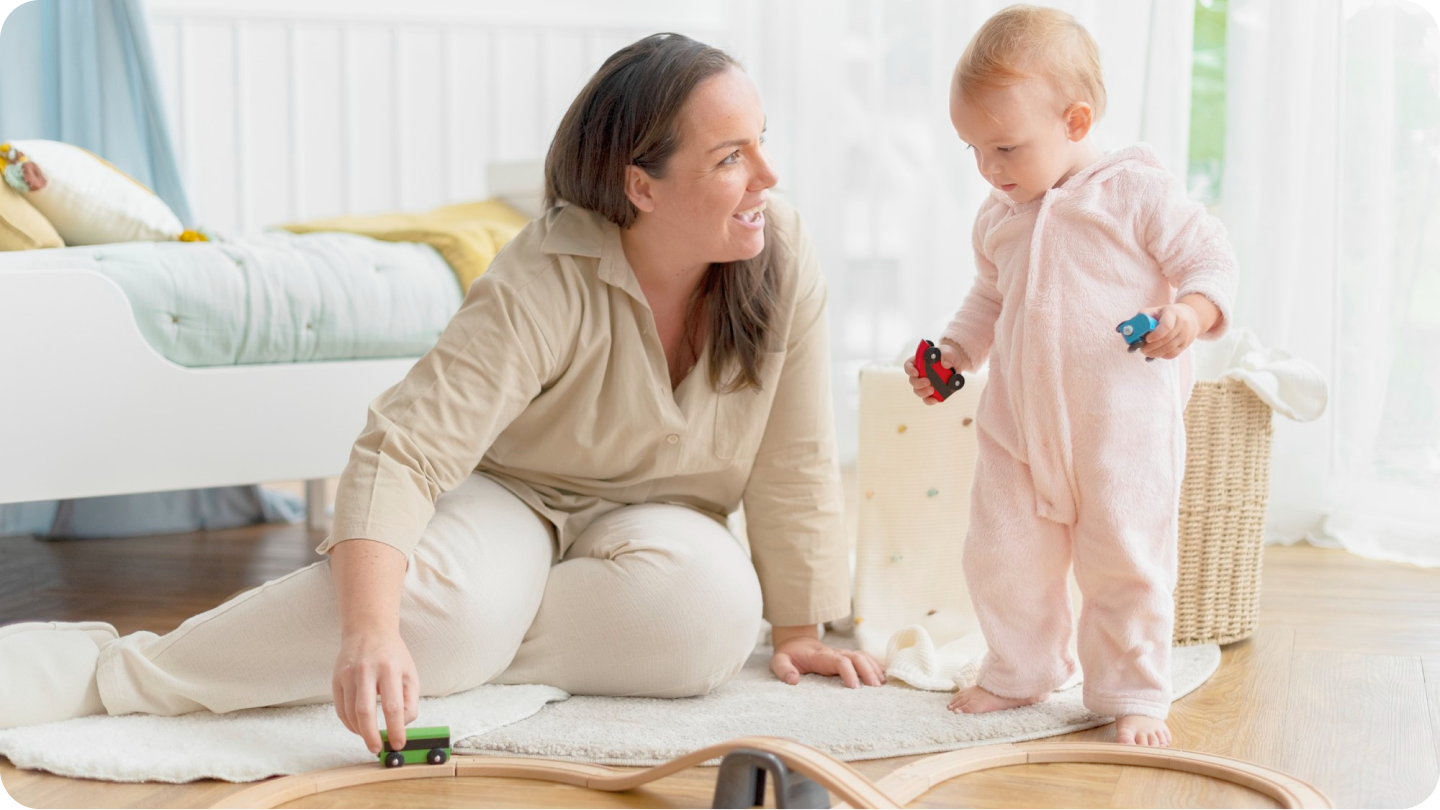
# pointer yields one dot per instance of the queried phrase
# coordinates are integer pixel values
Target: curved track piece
(837, 777)
(914, 780)
(896, 790)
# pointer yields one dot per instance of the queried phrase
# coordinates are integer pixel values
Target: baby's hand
(951, 357)
(1177, 327)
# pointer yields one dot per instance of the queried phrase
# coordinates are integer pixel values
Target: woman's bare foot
(1137, 729)
(974, 700)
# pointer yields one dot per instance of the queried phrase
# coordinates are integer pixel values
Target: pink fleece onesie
(1082, 444)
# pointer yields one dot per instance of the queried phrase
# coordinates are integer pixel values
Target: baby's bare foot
(1137, 729)
(974, 700)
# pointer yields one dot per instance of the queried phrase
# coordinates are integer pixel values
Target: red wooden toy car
(945, 381)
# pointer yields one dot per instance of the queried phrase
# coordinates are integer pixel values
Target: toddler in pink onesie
(1082, 445)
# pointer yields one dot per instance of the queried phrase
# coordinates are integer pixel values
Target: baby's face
(1018, 135)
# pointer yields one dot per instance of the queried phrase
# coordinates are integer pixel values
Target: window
(1207, 102)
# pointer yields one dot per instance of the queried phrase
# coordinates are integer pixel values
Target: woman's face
(712, 197)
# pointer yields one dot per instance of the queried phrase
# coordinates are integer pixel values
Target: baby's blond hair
(1029, 42)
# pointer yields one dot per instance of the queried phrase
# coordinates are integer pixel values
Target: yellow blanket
(467, 235)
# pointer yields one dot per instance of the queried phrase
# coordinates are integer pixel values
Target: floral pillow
(85, 198)
(21, 226)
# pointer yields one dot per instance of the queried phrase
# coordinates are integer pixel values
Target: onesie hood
(1136, 157)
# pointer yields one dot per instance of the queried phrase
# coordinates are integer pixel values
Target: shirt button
(673, 439)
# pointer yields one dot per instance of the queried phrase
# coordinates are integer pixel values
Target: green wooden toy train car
(428, 745)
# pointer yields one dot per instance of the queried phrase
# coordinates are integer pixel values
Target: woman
(542, 499)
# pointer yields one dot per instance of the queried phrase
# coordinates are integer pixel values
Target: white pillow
(90, 202)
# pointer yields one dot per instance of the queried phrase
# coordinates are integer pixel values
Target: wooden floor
(1340, 686)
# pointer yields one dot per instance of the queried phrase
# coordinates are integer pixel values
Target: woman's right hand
(369, 579)
(376, 663)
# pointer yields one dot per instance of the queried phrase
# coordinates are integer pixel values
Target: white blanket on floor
(912, 657)
(246, 745)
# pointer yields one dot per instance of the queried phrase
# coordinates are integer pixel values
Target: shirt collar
(577, 231)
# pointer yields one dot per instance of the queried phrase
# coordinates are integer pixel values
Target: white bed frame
(89, 407)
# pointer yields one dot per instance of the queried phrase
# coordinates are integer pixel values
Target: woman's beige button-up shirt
(552, 381)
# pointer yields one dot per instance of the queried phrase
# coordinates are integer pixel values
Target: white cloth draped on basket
(1292, 387)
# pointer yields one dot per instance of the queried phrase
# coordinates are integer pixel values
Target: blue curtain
(82, 72)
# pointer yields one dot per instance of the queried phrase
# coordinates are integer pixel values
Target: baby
(1081, 444)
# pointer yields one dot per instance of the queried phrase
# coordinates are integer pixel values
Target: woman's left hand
(803, 655)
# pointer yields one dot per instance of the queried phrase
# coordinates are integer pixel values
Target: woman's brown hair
(629, 114)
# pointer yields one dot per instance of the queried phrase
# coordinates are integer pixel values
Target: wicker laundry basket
(1222, 514)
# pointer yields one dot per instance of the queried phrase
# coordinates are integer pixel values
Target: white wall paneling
(266, 121)
(289, 111)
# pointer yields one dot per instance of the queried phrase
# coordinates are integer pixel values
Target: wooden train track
(835, 776)
(912, 781)
(848, 786)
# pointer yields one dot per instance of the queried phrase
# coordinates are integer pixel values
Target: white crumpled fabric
(1293, 387)
(912, 657)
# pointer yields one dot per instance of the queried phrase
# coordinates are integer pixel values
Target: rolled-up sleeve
(793, 499)
(426, 434)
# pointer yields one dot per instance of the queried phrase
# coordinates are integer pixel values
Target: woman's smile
(752, 218)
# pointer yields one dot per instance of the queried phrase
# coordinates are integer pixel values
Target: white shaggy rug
(866, 723)
(246, 745)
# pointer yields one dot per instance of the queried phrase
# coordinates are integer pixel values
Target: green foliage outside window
(1207, 102)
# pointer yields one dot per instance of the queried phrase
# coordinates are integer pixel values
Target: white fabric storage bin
(915, 466)
(914, 471)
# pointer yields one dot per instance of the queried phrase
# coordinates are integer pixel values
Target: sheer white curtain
(857, 98)
(1331, 192)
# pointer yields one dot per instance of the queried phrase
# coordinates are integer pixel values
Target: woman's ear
(640, 188)
(1079, 118)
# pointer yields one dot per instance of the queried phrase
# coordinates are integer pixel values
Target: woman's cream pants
(653, 600)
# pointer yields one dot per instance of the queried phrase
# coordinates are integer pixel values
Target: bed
(153, 366)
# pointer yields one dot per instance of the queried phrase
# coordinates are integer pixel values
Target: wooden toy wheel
(394, 759)
(437, 756)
